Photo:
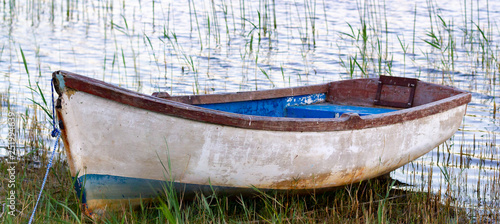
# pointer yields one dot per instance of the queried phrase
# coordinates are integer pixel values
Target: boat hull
(142, 146)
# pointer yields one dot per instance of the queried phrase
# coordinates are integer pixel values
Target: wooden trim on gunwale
(191, 112)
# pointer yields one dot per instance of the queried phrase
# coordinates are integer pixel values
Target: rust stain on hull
(323, 180)
(352, 176)
(302, 183)
(70, 92)
(100, 206)
(67, 149)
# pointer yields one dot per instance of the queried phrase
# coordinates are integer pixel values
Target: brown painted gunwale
(195, 113)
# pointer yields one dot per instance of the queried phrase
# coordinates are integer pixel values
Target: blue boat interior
(304, 106)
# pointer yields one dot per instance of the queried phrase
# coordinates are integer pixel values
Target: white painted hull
(110, 138)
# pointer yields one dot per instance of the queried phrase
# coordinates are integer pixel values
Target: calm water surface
(200, 47)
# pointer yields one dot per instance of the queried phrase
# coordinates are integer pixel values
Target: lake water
(201, 47)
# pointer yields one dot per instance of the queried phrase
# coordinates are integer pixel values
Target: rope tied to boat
(55, 133)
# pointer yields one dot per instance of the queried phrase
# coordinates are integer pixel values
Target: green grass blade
(71, 212)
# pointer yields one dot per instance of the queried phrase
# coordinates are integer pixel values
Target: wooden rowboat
(124, 147)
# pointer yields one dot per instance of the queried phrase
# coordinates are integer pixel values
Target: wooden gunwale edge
(195, 113)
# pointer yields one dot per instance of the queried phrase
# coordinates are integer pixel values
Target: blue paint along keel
(97, 186)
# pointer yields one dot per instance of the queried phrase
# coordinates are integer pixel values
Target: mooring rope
(55, 133)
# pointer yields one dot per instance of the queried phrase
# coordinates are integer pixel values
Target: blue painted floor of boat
(267, 107)
(304, 106)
